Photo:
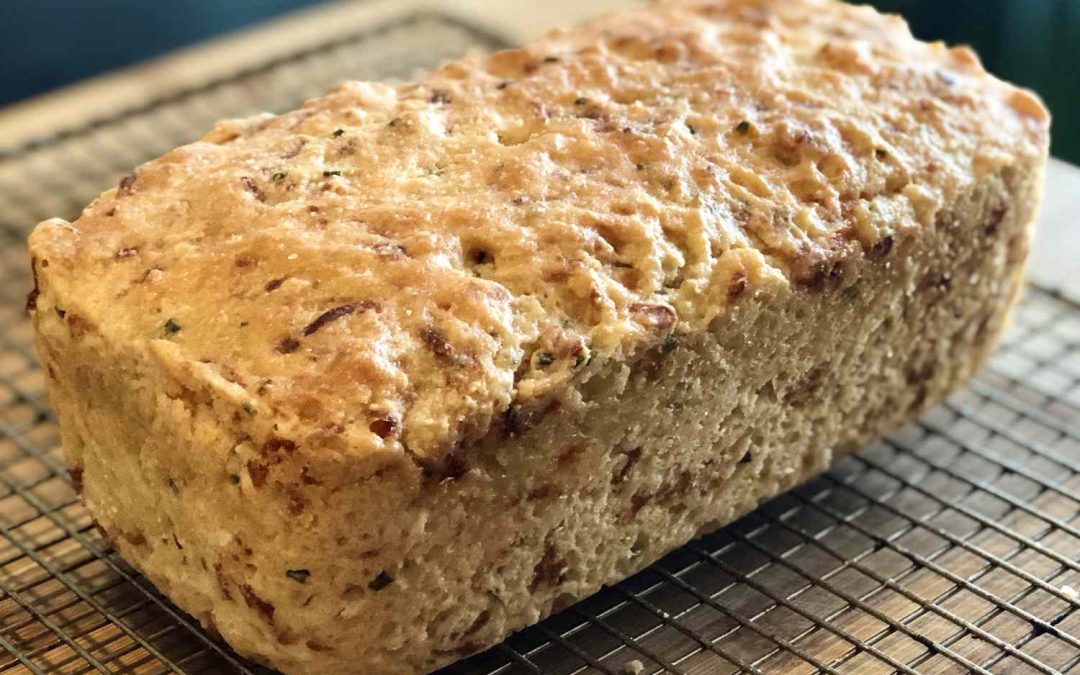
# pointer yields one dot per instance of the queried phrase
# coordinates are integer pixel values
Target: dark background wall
(47, 43)
(1035, 43)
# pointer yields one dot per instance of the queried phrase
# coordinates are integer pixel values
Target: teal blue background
(1031, 42)
(47, 43)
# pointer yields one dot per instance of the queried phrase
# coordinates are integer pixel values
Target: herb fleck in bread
(369, 385)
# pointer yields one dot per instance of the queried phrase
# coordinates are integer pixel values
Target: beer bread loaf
(366, 386)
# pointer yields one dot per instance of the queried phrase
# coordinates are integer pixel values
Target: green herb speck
(580, 100)
(381, 581)
(338, 132)
(172, 327)
(545, 359)
(299, 576)
(277, 175)
(327, 174)
(510, 421)
(669, 344)
(248, 408)
(743, 127)
(61, 312)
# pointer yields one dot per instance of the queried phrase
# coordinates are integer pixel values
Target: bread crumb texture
(394, 269)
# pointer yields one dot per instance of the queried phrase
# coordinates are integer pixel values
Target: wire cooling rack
(950, 546)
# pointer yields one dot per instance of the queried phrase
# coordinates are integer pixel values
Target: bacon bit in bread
(384, 426)
(127, 185)
(549, 570)
(254, 189)
(264, 608)
(436, 342)
(258, 473)
(657, 317)
(335, 314)
(737, 286)
(288, 345)
(882, 248)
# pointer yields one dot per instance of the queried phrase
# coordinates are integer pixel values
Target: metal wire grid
(951, 546)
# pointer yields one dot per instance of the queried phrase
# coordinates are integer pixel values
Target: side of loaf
(367, 386)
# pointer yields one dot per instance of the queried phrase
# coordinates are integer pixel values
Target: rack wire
(950, 546)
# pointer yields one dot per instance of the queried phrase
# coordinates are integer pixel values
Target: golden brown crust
(400, 271)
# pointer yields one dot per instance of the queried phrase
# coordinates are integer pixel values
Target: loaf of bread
(367, 386)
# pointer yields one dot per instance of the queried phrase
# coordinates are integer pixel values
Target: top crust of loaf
(408, 269)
